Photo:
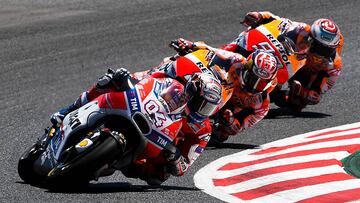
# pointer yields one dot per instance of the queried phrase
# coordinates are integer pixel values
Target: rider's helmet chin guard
(326, 36)
(296, 40)
(259, 72)
(204, 93)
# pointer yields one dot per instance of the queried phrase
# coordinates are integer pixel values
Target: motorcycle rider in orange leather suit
(251, 78)
(321, 70)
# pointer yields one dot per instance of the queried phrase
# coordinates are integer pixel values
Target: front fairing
(76, 121)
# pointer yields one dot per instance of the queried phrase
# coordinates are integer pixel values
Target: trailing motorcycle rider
(251, 79)
(201, 96)
(323, 61)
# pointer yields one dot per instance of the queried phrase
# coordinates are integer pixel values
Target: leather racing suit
(190, 143)
(312, 79)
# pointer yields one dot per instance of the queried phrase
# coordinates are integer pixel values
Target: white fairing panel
(79, 119)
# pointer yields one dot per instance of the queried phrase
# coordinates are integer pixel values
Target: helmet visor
(202, 107)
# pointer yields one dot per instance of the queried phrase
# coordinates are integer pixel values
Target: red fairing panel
(185, 66)
(114, 100)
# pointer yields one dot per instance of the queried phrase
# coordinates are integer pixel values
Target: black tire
(26, 166)
(80, 170)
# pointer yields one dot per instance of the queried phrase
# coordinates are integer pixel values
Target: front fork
(44, 140)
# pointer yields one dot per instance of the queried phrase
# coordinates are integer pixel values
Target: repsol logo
(280, 48)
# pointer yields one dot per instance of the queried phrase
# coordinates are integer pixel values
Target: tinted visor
(201, 106)
(322, 50)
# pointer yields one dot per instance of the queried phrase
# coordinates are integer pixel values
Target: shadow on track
(218, 145)
(113, 187)
(94, 188)
(280, 113)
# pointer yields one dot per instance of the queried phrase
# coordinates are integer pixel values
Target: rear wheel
(80, 167)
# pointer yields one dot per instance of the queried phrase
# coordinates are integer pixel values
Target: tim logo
(133, 101)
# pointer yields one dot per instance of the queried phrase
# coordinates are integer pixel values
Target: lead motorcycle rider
(323, 61)
(203, 89)
(251, 79)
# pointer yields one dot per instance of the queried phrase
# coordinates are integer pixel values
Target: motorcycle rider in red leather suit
(192, 139)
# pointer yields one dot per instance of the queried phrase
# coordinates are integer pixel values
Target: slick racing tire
(80, 169)
(26, 165)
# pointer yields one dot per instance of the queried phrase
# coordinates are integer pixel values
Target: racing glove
(228, 125)
(252, 19)
(182, 46)
(307, 96)
(312, 97)
(117, 78)
(231, 124)
(105, 80)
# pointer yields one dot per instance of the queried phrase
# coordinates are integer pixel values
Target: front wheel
(80, 167)
(26, 165)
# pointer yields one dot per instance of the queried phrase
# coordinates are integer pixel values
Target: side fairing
(77, 120)
(164, 127)
(265, 37)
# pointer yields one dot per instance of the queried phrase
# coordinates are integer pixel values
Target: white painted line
(251, 176)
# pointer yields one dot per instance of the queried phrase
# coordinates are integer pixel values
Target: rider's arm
(267, 17)
(196, 137)
(251, 20)
(256, 18)
(249, 118)
(110, 82)
(332, 70)
(333, 73)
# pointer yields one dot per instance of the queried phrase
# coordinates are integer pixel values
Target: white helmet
(204, 93)
(326, 32)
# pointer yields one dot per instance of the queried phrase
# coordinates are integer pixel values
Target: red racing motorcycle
(104, 135)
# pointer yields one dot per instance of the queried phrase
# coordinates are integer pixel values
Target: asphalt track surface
(50, 51)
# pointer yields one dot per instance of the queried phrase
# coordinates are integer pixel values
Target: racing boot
(57, 118)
